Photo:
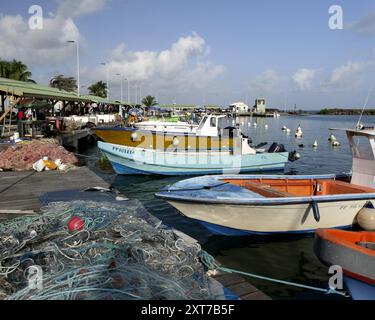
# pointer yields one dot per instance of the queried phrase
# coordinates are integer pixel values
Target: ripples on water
(288, 258)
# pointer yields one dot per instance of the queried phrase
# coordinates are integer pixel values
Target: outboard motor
(294, 156)
(277, 148)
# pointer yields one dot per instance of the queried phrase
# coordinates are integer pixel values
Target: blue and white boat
(205, 150)
(130, 160)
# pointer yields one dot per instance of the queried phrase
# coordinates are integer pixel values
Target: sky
(202, 51)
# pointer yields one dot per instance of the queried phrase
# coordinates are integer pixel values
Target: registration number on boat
(123, 150)
(352, 206)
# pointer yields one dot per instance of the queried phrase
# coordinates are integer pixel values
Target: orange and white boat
(353, 251)
(242, 204)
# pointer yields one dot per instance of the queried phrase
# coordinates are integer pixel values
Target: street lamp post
(106, 65)
(128, 89)
(130, 95)
(122, 86)
(78, 65)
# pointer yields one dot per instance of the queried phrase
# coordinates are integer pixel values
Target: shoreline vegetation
(350, 112)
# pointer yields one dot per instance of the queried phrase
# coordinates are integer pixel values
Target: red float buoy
(76, 224)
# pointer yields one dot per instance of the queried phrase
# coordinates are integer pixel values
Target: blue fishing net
(121, 253)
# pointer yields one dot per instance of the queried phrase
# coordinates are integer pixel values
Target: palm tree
(149, 101)
(15, 70)
(4, 69)
(64, 83)
(99, 89)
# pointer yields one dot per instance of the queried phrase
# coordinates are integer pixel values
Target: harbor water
(289, 258)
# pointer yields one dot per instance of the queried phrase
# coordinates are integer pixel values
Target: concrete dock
(20, 194)
(241, 287)
(20, 191)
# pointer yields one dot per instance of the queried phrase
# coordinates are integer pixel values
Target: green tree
(149, 101)
(99, 89)
(15, 70)
(64, 83)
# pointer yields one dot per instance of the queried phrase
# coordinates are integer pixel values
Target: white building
(239, 107)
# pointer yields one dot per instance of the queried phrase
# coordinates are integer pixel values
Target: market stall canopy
(32, 90)
(36, 104)
(186, 106)
(176, 106)
(101, 100)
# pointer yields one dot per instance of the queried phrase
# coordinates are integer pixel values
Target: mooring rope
(210, 262)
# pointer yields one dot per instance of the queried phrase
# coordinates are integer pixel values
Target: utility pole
(78, 66)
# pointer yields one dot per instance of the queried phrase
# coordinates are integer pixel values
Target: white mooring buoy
(366, 219)
(332, 138)
(335, 143)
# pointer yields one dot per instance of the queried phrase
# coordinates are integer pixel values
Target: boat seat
(266, 190)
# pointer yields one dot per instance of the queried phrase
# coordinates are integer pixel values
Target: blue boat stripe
(227, 231)
(122, 169)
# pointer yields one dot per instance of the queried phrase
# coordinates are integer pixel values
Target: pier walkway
(20, 191)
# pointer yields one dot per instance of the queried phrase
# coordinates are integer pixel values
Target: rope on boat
(210, 262)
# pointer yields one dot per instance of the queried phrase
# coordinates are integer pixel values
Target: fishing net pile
(121, 253)
(21, 157)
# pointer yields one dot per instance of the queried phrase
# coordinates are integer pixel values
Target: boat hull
(240, 220)
(359, 290)
(129, 160)
(341, 248)
(158, 140)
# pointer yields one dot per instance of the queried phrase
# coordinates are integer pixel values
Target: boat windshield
(361, 148)
(203, 121)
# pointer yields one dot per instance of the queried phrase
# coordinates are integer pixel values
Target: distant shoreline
(346, 112)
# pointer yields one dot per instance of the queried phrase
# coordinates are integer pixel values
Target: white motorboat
(210, 150)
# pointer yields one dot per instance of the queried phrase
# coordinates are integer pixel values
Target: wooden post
(2, 102)
(10, 109)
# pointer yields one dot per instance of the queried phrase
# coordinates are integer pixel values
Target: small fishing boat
(242, 205)
(208, 150)
(260, 204)
(354, 252)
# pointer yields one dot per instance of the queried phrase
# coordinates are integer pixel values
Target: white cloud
(183, 66)
(47, 46)
(269, 81)
(303, 79)
(75, 8)
(364, 26)
(350, 74)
